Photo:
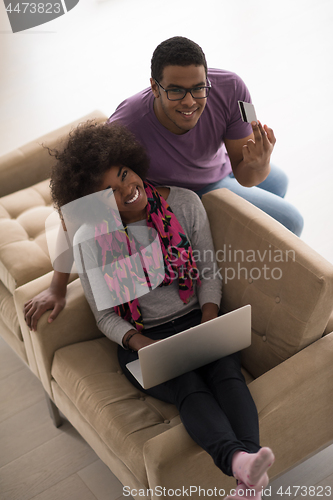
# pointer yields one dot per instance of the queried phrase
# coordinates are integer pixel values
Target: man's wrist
(59, 283)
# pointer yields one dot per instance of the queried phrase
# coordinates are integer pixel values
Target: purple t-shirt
(198, 157)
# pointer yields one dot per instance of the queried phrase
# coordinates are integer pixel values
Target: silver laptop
(192, 348)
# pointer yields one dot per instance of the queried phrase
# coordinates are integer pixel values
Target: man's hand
(257, 151)
(34, 308)
(250, 156)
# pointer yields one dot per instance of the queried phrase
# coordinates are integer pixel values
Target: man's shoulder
(227, 89)
(224, 78)
(221, 75)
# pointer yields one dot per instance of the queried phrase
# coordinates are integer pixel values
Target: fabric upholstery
(23, 248)
(288, 285)
(31, 163)
(24, 206)
(8, 312)
(329, 326)
(125, 418)
(13, 341)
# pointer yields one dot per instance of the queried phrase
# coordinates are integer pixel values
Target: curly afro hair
(176, 51)
(89, 152)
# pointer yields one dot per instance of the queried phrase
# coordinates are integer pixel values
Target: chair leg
(54, 412)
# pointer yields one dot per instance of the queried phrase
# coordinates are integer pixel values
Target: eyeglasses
(177, 94)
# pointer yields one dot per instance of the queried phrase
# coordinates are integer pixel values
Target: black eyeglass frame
(208, 87)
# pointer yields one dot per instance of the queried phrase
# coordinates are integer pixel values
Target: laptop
(192, 348)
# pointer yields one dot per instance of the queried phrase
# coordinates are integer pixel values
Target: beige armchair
(288, 366)
(25, 203)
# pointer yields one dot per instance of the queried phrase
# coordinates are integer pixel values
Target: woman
(136, 309)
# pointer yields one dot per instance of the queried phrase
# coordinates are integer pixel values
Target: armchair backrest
(31, 163)
(289, 285)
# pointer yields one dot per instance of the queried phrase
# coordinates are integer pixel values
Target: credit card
(247, 112)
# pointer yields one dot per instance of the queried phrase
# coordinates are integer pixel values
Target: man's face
(179, 116)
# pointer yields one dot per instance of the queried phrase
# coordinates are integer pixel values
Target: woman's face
(127, 190)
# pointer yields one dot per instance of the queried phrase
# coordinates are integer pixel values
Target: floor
(94, 57)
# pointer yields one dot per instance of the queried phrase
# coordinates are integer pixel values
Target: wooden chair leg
(54, 412)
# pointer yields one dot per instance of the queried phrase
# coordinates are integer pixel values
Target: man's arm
(53, 298)
(250, 156)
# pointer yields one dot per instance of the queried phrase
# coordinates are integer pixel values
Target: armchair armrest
(75, 323)
(174, 461)
(295, 418)
(295, 405)
(29, 164)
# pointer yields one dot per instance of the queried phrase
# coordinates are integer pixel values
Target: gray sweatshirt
(162, 304)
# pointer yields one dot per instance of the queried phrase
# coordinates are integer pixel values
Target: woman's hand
(34, 308)
(209, 311)
(136, 341)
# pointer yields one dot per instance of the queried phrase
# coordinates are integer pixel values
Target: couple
(190, 125)
(214, 402)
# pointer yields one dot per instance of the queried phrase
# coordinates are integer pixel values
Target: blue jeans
(268, 196)
(214, 402)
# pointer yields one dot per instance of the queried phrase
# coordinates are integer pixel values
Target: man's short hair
(176, 51)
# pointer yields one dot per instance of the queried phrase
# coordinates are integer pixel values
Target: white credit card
(247, 112)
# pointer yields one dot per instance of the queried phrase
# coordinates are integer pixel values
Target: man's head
(178, 63)
(176, 51)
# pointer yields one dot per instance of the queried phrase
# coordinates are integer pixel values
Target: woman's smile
(135, 197)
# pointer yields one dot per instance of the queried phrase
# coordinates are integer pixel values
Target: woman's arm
(136, 340)
(99, 298)
(209, 311)
(210, 290)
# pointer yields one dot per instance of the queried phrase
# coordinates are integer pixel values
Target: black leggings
(214, 402)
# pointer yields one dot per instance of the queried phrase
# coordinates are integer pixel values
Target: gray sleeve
(195, 218)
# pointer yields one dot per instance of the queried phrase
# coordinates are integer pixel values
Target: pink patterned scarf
(177, 256)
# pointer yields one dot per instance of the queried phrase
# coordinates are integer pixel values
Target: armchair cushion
(23, 249)
(125, 418)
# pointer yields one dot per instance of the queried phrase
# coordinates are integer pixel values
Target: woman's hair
(176, 51)
(89, 152)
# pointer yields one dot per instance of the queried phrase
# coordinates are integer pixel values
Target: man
(191, 127)
(190, 124)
